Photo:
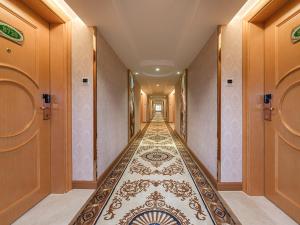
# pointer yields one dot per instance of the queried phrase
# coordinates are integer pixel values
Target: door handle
(46, 107)
(46, 112)
(268, 108)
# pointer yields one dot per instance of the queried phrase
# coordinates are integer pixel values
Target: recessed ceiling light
(157, 69)
(157, 85)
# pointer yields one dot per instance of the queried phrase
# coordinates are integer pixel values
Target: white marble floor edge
(255, 210)
(60, 209)
(56, 209)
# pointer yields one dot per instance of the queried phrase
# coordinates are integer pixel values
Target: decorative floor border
(89, 213)
(216, 206)
(93, 208)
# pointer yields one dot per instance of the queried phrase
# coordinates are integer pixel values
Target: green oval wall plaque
(295, 36)
(11, 33)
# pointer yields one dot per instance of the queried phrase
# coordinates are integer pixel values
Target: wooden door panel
(282, 134)
(288, 110)
(11, 121)
(24, 135)
(286, 185)
(284, 48)
(20, 119)
(28, 173)
(26, 62)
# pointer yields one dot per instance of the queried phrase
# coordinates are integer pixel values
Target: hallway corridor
(155, 182)
(125, 112)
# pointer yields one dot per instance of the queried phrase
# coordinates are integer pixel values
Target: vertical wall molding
(94, 30)
(219, 97)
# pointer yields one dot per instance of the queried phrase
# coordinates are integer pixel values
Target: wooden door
(24, 135)
(282, 133)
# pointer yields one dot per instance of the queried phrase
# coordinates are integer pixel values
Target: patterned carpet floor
(156, 182)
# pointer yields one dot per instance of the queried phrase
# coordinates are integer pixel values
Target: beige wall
(82, 101)
(112, 109)
(231, 133)
(202, 105)
(231, 128)
(171, 107)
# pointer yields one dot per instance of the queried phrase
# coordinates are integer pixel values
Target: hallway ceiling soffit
(149, 84)
(147, 34)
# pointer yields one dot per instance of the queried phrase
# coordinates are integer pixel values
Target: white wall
(202, 105)
(112, 109)
(82, 101)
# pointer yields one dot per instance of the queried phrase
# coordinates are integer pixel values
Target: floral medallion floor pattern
(156, 182)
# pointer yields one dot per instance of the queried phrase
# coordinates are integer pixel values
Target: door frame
(61, 92)
(253, 90)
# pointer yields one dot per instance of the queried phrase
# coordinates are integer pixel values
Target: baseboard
(82, 184)
(210, 177)
(220, 186)
(206, 172)
(117, 159)
(230, 186)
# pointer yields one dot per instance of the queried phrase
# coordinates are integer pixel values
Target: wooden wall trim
(128, 99)
(253, 124)
(220, 186)
(263, 10)
(253, 86)
(95, 102)
(102, 177)
(61, 91)
(206, 172)
(61, 118)
(230, 186)
(48, 11)
(82, 184)
(211, 178)
(68, 112)
(219, 101)
(186, 103)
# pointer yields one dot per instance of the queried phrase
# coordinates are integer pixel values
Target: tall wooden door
(282, 133)
(24, 134)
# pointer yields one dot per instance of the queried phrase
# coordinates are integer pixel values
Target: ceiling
(150, 34)
(150, 84)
